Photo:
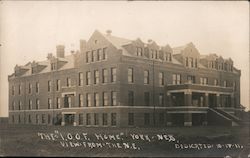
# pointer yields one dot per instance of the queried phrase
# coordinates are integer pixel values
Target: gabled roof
(117, 41)
(167, 48)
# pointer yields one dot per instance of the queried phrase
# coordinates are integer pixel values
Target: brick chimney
(109, 32)
(60, 50)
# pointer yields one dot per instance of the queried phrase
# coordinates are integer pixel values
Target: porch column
(168, 119)
(169, 99)
(206, 100)
(188, 119)
(63, 120)
(188, 98)
(218, 100)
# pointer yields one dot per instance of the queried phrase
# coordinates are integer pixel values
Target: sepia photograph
(124, 79)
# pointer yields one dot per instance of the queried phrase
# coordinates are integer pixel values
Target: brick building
(113, 81)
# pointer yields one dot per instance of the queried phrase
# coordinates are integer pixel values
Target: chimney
(109, 32)
(60, 51)
(49, 56)
(150, 40)
(83, 45)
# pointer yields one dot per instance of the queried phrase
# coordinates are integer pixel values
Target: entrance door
(69, 119)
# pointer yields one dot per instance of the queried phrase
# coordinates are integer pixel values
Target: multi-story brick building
(113, 81)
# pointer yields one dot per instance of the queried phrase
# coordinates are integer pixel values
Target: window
(96, 99)
(13, 105)
(105, 119)
(216, 82)
(49, 103)
(37, 104)
(146, 77)
(156, 54)
(104, 76)
(80, 79)
(88, 119)
(130, 98)
(191, 79)
(19, 89)
(234, 85)
(99, 51)
(33, 70)
(30, 104)
(37, 87)
(225, 83)
(161, 99)
(49, 119)
(58, 85)
(58, 103)
(138, 51)
(53, 66)
(30, 88)
(37, 119)
(113, 98)
(105, 99)
(113, 74)
(68, 82)
(43, 118)
(130, 75)
(80, 119)
(130, 119)
(96, 119)
(176, 79)
(69, 101)
(88, 56)
(104, 53)
(20, 105)
(29, 118)
(168, 57)
(88, 100)
(113, 119)
(80, 100)
(93, 55)
(152, 53)
(88, 78)
(161, 118)
(186, 61)
(146, 98)
(13, 90)
(192, 62)
(161, 79)
(49, 86)
(146, 119)
(96, 78)
(203, 81)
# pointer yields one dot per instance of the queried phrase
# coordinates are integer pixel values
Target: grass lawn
(24, 140)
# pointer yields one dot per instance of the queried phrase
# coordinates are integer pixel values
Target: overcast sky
(30, 30)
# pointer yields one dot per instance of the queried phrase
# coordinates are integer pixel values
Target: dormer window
(68, 82)
(168, 56)
(186, 61)
(138, 51)
(32, 70)
(53, 66)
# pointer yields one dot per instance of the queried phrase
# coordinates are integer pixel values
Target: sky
(30, 30)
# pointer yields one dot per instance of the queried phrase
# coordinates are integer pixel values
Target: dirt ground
(28, 140)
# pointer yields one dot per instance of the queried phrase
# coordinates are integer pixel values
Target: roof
(118, 42)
